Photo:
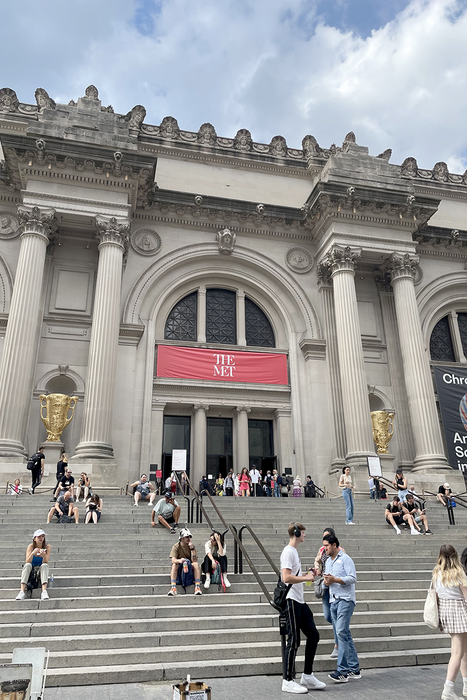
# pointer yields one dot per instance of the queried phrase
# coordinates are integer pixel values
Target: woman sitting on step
(215, 557)
(37, 555)
(93, 509)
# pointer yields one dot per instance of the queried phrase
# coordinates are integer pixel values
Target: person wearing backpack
(185, 568)
(36, 467)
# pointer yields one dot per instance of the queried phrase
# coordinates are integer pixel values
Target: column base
(12, 451)
(337, 465)
(93, 450)
(102, 472)
(431, 481)
(427, 463)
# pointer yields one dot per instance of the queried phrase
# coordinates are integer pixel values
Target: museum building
(252, 304)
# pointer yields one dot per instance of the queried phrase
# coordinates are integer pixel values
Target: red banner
(221, 365)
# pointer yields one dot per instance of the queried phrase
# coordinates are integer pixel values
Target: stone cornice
(441, 236)
(313, 348)
(383, 207)
(193, 388)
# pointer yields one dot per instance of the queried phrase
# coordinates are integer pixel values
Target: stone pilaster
(402, 422)
(20, 345)
(332, 358)
(341, 263)
(199, 443)
(95, 443)
(429, 452)
(243, 452)
(284, 435)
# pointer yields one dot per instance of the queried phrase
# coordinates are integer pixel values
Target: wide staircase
(109, 620)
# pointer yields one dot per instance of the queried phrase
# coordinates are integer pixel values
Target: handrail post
(240, 556)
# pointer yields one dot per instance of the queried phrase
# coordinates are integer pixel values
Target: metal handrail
(237, 539)
(186, 499)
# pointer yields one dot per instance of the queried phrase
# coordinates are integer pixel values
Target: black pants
(228, 491)
(206, 566)
(36, 477)
(299, 619)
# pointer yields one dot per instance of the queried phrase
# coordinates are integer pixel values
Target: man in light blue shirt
(340, 577)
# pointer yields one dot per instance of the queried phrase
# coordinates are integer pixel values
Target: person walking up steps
(345, 483)
(299, 617)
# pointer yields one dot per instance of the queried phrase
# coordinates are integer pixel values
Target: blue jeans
(348, 498)
(341, 612)
(327, 611)
(277, 490)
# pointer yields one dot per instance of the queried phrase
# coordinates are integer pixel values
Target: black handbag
(280, 595)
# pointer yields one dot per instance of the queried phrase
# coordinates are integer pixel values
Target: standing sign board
(374, 467)
(452, 394)
(178, 460)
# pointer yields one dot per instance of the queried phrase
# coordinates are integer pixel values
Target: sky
(392, 71)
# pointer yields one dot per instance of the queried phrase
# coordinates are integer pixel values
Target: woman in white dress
(450, 583)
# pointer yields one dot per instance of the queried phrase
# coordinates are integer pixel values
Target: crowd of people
(253, 482)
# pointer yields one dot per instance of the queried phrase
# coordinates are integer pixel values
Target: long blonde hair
(448, 570)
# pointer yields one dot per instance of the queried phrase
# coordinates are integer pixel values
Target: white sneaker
(135, 505)
(335, 653)
(449, 694)
(207, 583)
(398, 530)
(226, 581)
(44, 595)
(30, 490)
(414, 532)
(311, 682)
(21, 596)
(350, 523)
(293, 687)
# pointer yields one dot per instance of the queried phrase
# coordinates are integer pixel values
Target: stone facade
(117, 237)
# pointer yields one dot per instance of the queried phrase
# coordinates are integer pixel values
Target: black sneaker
(428, 532)
(338, 677)
(354, 674)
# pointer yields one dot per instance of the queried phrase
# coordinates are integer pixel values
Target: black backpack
(34, 461)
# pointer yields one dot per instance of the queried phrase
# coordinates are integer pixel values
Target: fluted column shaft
(429, 452)
(332, 357)
(341, 263)
(95, 442)
(20, 345)
(243, 450)
(199, 443)
(402, 420)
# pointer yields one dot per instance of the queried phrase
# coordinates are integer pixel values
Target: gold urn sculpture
(383, 429)
(56, 417)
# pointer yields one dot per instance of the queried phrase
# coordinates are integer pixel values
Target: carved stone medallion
(8, 225)
(145, 241)
(299, 260)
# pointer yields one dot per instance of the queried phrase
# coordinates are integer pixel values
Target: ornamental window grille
(258, 330)
(221, 316)
(181, 321)
(441, 347)
(462, 321)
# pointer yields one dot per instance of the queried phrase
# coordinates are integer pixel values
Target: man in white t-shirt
(254, 476)
(299, 617)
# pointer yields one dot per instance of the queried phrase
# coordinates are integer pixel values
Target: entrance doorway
(219, 447)
(261, 445)
(176, 437)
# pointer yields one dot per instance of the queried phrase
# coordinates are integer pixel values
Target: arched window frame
(451, 313)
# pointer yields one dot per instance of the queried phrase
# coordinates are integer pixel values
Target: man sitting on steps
(184, 554)
(64, 506)
(143, 490)
(167, 511)
(410, 505)
(395, 516)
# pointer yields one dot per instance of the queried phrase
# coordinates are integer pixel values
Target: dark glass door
(219, 447)
(260, 444)
(176, 437)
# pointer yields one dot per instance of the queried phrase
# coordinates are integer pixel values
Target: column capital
(201, 407)
(239, 409)
(383, 280)
(402, 265)
(39, 222)
(112, 231)
(339, 259)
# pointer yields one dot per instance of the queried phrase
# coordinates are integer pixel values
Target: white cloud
(267, 65)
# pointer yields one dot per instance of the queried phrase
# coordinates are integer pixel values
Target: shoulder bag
(430, 611)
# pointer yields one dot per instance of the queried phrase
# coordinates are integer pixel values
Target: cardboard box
(198, 691)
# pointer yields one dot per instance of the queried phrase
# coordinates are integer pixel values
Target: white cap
(38, 533)
(184, 532)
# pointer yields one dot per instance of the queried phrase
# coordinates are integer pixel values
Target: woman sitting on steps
(215, 556)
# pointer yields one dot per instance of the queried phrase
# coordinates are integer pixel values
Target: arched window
(444, 340)
(181, 321)
(258, 330)
(221, 320)
(462, 321)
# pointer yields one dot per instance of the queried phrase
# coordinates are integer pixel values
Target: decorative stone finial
(243, 140)
(278, 146)
(385, 155)
(207, 135)
(91, 93)
(8, 100)
(409, 168)
(169, 128)
(43, 100)
(311, 148)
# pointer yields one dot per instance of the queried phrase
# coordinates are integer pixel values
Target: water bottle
(309, 583)
(51, 581)
(185, 566)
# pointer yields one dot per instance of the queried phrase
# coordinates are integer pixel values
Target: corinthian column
(95, 440)
(341, 263)
(243, 452)
(20, 346)
(199, 443)
(332, 358)
(429, 452)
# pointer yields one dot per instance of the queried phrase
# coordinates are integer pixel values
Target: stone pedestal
(52, 453)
